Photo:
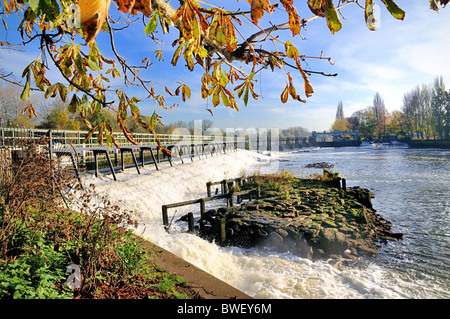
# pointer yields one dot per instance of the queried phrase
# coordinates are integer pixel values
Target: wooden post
(191, 222)
(338, 183)
(344, 184)
(165, 217)
(208, 189)
(202, 207)
(230, 200)
(223, 234)
(223, 185)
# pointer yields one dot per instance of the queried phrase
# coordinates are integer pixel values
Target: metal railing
(8, 136)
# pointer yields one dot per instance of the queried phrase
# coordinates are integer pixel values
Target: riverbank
(205, 285)
(444, 144)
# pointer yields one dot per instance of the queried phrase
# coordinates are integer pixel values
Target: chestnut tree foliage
(211, 38)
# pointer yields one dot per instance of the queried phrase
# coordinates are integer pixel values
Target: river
(412, 190)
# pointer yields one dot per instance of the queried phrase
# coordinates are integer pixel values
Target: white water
(257, 273)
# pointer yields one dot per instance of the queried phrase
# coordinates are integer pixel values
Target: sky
(392, 60)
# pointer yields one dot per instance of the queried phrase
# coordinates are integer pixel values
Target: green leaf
(394, 9)
(216, 97)
(177, 53)
(291, 50)
(225, 100)
(93, 65)
(153, 120)
(48, 7)
(74, 103)
(62, 91)
(151, 25)
(333, 22)
(26, 93)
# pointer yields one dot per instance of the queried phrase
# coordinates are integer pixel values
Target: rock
(320, 165)
(333, 241)
(320, 222)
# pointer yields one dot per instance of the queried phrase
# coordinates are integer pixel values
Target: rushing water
(412, 191)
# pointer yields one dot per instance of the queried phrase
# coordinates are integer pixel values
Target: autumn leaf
(317, 7)
(144, 6)
(434, 4)
(333, 22)
(134, 6)
(325, 8)
(30, 110)
(285, 94)
(185, 92)
(395, 10)
(257, 9)
(294, 18)
(92, 15)
(25, 95)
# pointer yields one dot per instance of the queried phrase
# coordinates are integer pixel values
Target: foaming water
(406, 269)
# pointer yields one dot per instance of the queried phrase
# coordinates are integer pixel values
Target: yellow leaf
(92, 15)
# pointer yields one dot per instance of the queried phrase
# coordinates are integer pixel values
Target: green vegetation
(42, 233)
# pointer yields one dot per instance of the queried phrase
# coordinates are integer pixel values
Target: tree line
(54, 114)
(424, 113)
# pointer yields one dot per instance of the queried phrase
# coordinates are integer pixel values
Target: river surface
(412, 190)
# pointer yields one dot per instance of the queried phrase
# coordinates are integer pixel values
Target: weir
(89, 156)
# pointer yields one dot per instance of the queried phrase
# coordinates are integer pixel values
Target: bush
(47, 222)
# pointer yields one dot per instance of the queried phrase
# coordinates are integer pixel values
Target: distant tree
(340, 125)
(354, 121)
(12, 107)
(380, 113)
(340, 111)
(396, 122)
(368, 125)
(59, 119)
(438, 107)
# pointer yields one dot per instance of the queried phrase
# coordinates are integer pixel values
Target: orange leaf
(294, 18)
(92, 15)
(257, 9)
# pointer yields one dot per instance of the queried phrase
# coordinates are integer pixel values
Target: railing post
(50, 144)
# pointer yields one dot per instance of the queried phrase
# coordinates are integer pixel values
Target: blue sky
(392, 60)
